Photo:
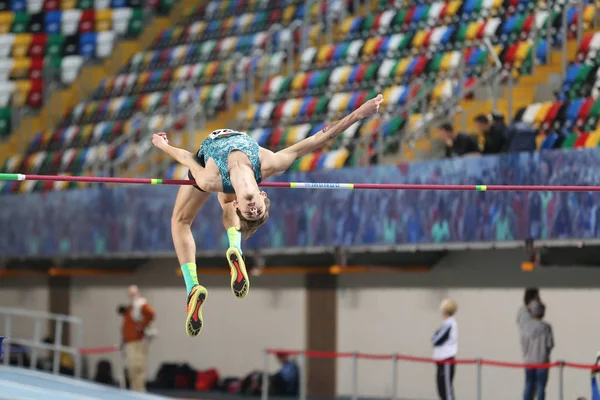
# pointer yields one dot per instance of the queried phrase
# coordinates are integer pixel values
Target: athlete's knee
(181, 219)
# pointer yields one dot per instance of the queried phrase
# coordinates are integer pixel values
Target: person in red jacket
(136, 320)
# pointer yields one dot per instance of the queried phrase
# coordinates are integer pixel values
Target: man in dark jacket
(493, 133)
(457, 144)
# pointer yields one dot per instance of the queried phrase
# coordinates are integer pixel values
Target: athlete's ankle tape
(190, 275)
(235, 238)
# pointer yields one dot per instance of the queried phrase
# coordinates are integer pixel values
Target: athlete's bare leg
(240, 284)
(188, 203)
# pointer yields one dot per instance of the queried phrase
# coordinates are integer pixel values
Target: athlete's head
(253, 211)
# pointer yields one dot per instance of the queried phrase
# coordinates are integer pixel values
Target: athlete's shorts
(191, 178)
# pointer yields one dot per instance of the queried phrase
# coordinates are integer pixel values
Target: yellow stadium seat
(588, 15)
(148, 56)
(103, 20)
(89, 109)
(593, 139)
(6, 20)
(20, 68)
(23, 88)
(296, 105)
(86, 132)
(402, 65)
(540, 115)
(370, 127)
(387, 93)
(314, 35)
(346, 25)
(306, 162)
(46, 137)
(446, 61)
(228, 23)
(522, 52)
(180, 73)
(298, 81)
(344, 100)
(345, 75)
(114, 105)
(323, 53)
(288, 14)
(369, 47)
(211, 68)
(21, 44)
(453, 7)
(341, 158)
(315, 9)
(68, 4)
(251, 112)
(419, 39)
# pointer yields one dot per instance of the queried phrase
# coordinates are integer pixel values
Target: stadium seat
(58, 36)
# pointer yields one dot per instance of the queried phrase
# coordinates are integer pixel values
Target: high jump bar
(306, 185)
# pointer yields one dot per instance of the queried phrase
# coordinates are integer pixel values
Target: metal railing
(302, 357)
(36, 344)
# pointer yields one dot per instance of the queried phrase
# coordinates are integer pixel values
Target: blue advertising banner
(137, 219)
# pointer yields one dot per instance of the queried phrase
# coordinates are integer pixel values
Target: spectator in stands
(445, 347)
(520, 136)
(498, 121)
(136, 320)
(492, 132)
(458, 144)
(537, 342)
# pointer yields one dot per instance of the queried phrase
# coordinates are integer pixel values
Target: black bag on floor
(165, 377)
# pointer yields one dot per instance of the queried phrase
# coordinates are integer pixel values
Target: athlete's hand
(371, 107)
(160, 140)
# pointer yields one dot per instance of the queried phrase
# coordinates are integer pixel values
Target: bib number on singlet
(221, 133)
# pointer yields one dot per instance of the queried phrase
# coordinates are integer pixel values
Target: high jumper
(232, 164)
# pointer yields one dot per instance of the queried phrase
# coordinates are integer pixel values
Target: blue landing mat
(25, 384)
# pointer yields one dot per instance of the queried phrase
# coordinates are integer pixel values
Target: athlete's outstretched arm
(284, 158)
(181, 156)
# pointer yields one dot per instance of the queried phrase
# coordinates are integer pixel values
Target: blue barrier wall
(137, 219)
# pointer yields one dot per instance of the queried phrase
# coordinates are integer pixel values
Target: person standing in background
(537, 341)
(523, 316)
(445, 347)
(530, 296)
(136, 320)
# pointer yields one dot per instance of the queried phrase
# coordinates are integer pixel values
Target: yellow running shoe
(196, 299)
(240, 284)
